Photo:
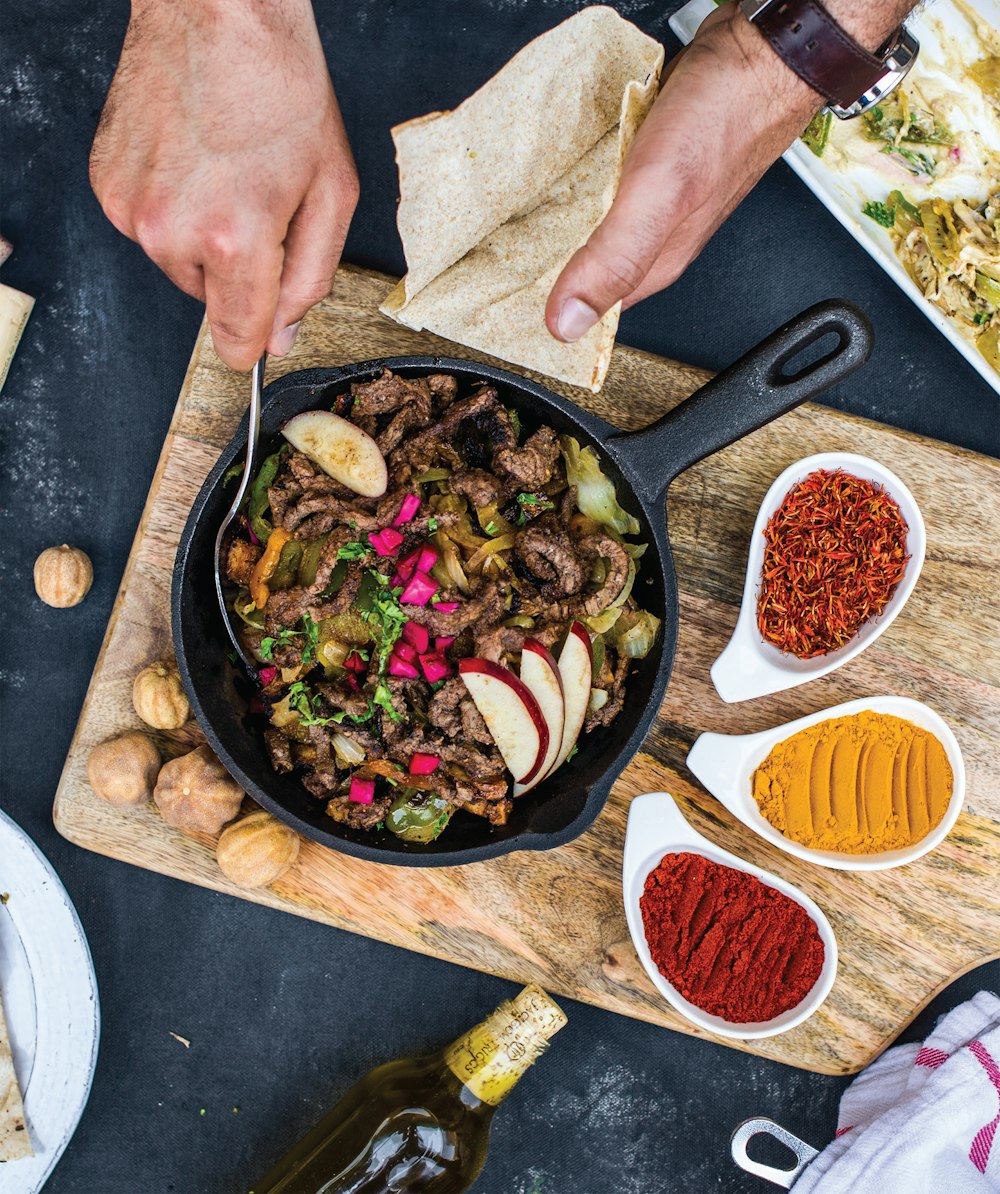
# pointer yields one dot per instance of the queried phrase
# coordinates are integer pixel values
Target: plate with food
(458, 591)
(49, 1014)
(916, 179)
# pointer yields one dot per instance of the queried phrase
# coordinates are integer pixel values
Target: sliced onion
(598, 699)
(347, 750)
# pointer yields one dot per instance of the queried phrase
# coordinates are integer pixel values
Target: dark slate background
(283, 1014)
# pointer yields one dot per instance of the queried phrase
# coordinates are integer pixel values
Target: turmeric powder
(861, 784)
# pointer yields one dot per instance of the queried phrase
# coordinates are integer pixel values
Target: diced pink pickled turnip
(447, 607)
(411, 504)
(399, 667)
(428, 558)
(354, 663)
(420, 588)
(351, 681)
(405, 651)
(265, 675)
(421, 764)
(443, 641)
(386, 542)
(362, 790)
(417, 636)
(435, 667)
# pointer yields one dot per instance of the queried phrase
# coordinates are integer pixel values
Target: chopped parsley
(881, 213)
(355, 550)
(491, 529)
(286, 638)
(982, 317)
(304, 702)
(432, 525)
(383, 698)
(384, 604)
(572, 754)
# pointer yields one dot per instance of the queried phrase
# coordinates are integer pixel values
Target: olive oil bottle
(421, 1124)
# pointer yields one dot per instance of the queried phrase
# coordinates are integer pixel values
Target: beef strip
(359, 816)
(493, 642)
(410, 418)
(485, 606)
(478, 487)
(390, 392)
(444, 387)
(418, 454)
(549, 553)
(279, 750)
(616, 557)
(532, 465)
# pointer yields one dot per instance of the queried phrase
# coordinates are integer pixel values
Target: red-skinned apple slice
(511, 713)
(342, 450)
(576, 664)
(540, 673)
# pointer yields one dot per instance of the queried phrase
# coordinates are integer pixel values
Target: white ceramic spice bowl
(725, 764)
(751, 667)
(657, 827)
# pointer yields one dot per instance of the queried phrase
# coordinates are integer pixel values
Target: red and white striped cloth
(922, 1119)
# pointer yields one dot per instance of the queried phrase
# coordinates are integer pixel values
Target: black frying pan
(758, 388)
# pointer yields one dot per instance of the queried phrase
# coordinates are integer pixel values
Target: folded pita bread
(14, 1139)
(496, 196)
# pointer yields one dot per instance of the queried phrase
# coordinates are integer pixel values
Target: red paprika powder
(729, 944)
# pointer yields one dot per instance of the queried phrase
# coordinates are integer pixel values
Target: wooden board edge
(316, 914)
(130, 564)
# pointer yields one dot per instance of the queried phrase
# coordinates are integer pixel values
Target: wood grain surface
(556, 918)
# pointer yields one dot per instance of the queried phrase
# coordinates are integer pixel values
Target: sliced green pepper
(285, 574)
(258, 501)
(418, 817)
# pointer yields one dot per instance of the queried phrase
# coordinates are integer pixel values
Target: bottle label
(491, 1057)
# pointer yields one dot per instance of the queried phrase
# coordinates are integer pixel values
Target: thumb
(613, 263)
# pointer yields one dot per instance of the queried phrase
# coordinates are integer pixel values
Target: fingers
(313, 246)
(242, 283)
(650, 203)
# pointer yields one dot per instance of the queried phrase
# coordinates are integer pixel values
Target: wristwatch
(811, 43)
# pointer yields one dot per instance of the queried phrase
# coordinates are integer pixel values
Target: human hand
(222, 152)
(728, 108)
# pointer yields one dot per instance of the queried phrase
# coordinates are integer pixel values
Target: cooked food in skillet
(441, 601)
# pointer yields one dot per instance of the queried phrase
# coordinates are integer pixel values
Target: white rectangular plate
(843, 192)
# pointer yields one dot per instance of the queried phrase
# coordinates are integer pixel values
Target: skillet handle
(745, 396)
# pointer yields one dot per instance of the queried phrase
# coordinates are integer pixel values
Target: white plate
(750, 667)
(843, 192)
(50, 996)
(657, 827)
(725, 763)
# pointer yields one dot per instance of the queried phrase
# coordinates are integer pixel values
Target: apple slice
(342, 450)
(511, 713)
(576, 663)
(540, 673)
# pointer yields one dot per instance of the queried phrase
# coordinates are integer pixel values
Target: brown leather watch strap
(810, 42)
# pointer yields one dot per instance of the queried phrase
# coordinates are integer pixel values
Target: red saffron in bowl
(835, 550)
(730, 945)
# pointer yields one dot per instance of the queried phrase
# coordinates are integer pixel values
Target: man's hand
(222, 152)
(729, 107)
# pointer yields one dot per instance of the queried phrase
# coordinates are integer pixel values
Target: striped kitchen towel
(924, 1119)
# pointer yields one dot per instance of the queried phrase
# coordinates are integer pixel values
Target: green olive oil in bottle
(421, 1124)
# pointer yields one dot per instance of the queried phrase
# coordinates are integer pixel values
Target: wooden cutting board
(556, 918)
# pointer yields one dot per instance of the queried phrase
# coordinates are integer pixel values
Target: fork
(253, 435)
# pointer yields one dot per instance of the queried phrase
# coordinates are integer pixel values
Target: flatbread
(14, 1139)
(496, 196)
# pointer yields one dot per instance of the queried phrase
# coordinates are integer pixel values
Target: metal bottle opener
(780, 1177)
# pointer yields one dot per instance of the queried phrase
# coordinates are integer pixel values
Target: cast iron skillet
(739, 400)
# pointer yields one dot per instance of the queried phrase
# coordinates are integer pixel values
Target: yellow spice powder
(855, 785)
